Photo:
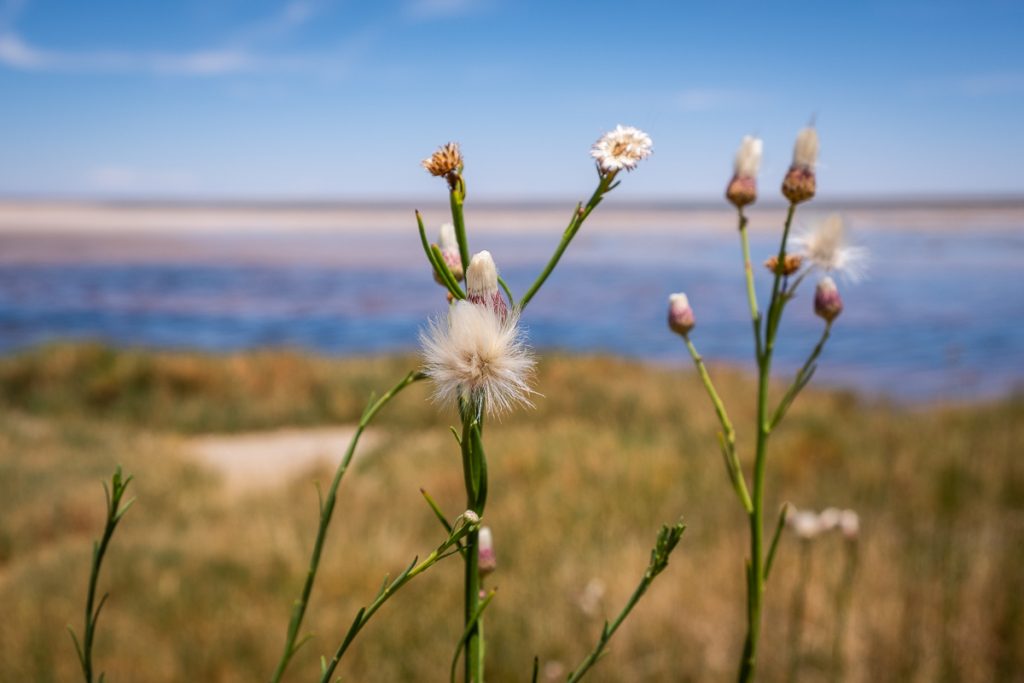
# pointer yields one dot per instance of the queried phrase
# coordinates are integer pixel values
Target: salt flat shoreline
(164, 219)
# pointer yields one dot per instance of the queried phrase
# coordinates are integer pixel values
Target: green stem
(115, 511)
(668, 538)
(801, 379)
(447, 548)
(728, 433)
(456, 197)
(755, 570)
(474, 464)
(326, 512)
(748, 270)
(575, 223)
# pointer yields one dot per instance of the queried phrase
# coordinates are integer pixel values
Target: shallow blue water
(939, 316)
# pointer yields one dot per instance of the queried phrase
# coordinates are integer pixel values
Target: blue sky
(320, 99)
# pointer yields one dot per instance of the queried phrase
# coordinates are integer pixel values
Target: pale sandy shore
(140, 219)
(258, 460)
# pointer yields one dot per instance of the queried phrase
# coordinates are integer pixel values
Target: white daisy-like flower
(825, 247)
(478, 354)
(622, 148)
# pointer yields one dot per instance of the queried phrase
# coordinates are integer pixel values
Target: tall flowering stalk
(478, 360)
(823, 250)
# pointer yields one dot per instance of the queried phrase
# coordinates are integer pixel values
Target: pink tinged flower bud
(849, 524)
(680, 315)
(482, 284)
(827, 302)
(487, 561)
(449, 247)
(800, 184)
(829, 518)
(742, 189)
(805, 524)
(471, 517)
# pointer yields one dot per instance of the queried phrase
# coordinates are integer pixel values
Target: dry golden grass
(201, 583)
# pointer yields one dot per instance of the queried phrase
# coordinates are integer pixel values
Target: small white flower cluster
(808, 524)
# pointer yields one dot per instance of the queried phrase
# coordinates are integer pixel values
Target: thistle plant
(478, 361)
(823, 250)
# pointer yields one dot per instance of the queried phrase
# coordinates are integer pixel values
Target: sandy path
(256, 460)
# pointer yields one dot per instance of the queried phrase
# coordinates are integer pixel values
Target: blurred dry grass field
(202, 580)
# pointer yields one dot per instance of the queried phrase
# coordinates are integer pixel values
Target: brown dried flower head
(790, 265)
(447, 159)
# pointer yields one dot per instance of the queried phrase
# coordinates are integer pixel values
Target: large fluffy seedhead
(477, 354)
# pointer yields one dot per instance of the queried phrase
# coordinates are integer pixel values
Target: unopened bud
(487, 561)
(829, 518)
(680, 315)
(849, 524)
(800, 184)
(742, 189)
(790, 264)
(471, 517)
(827, 302)
(482, 284)
(449, 248)
(805, 524)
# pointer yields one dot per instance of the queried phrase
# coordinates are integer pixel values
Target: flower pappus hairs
(622, 148)
(742, 189)
(826, 247)
(800, 184)
(476, 354)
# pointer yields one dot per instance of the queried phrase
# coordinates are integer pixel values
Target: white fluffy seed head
(805, 151)
(748, 157)
(826, 247)
(622, 148)
(480, 355)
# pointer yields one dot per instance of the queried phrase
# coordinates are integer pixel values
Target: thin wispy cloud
(238, 54)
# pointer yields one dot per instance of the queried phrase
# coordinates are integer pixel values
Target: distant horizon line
(910, 200)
